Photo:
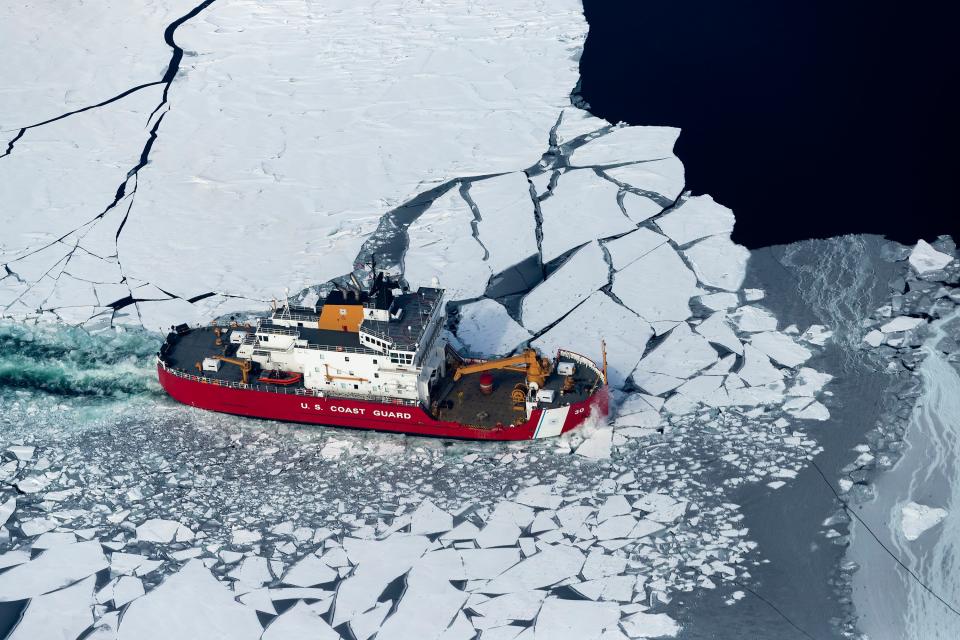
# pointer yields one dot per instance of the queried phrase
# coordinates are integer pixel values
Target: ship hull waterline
(366, 415)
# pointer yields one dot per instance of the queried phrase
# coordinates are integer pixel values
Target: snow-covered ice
(718, 262)
(925, 258)
(695, 218)
(916, 518)
(658, 286)
(52, 569)
(582, 274)
(486, 329)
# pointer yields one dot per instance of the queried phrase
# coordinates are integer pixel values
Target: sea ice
(916, 518)
(507, 226)
(309, 572)
(7, 509)
(582, 274)
(64, 613)
(640, 208)
(442, 246)
(716, 330)
(428, 518)
(299, 623)
(127, 589)
(580, 195)
(719, 262)
(902, 323)
(650, 625)
(780, 348)
(750, 319)
(597, 320)
(757, 369)
(695, 218)
(486, 329)
(662, 177)
(551, 565)
(658, 286)
(52, 569)
(597, 445)
(681, 354)
(158, 530)
(507, 608)
(925, 258)
(628, 248)
(561, 618)
(191, 603)
(626, 145)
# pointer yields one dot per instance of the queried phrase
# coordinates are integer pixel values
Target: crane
(245, 366)
(330, 377)
(536, 368)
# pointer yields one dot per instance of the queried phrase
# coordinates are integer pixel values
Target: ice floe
(917, 518)
(582, 274)
(924, 258)
(52, 569)
(626, 145)
(657, 286)
(718, 262)
(580, 196)
(64, 613)
(486, 329)
(696, 217)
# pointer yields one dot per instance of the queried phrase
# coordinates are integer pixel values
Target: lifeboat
(282, 378)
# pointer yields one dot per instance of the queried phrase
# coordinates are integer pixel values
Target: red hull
(358, 414)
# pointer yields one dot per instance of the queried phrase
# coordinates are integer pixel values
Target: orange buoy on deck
(486, 384)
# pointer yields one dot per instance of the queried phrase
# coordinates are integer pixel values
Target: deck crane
(537, 370)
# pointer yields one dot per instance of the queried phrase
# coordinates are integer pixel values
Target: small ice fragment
(902, 323)
(925, 258)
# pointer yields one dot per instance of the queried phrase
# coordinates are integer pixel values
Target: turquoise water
(66, 361)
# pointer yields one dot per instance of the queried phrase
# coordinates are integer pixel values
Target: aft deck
(462, 401)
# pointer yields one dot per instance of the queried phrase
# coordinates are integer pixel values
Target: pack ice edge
(377, 360)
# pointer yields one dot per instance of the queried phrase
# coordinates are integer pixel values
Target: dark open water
(809, 119)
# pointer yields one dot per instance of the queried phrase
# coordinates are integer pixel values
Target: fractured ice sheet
(301, 195)
(681, 354)
(627, 144)
(550, 566)
(575, 619)
(695, 218)
(507, 226)
(658, 286)
(442, 246)
(662, 177)
(583, 206)
(486, 329)
(780, 348)
(582, 274)
(204, 608)
(629, 248)
(719, 262)
(64, 613)
(52, 569)
(600, 319)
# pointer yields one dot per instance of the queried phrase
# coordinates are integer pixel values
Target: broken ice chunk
(640, 208)
(7, 509)
(550, 566)
(52, 569)
(486, 329)
(504, 203)
(428, 518)
(809, 382)
(127, 589)
(539, 497)
(597, 444)
(615, 505)
(60, 614)
(157, 530)
(582, 274)
(574, 619)
(204, 609)
(580, 195)
(253, 571)
(716, 330)
(627, 144)
(309, 572)
(902, 323)
(629, 248)
(442, 246)
(752, 319)
(695, 218)
(650, 625)
(600, 319)
(719, 262)
(368, 623)
(299, 623)
(656, 383)
(924, 258)
(813, 411)
(483, 564)
(780, 348)
(682, 354)
(510, 607)
(916, 518)
(719, 301)
(662, 177)
(657, 286)
(757, 369)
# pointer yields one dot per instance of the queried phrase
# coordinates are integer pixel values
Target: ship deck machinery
(376, 360)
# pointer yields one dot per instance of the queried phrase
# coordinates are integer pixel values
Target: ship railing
(296, 391)
(326, 347)
(277, 330)
(581, 359)
(298, 317)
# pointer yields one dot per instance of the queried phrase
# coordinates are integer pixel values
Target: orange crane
(536, 368)
(245, 366)
(330, 377)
